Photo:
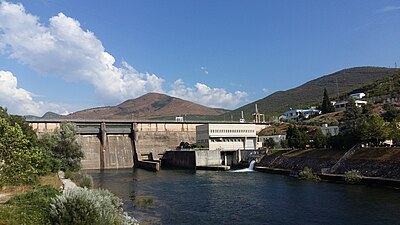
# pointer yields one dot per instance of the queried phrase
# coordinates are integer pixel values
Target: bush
(64, 146)
(82, 180)
(352, 177)
(82, 206)
(31, 207)
(307, 174)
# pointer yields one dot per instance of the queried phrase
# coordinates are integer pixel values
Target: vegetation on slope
(311, 93)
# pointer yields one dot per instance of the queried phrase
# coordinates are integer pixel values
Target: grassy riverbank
(28, 204)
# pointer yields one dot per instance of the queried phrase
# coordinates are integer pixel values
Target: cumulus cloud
(20, 101)
(202, 94)
(63, 49)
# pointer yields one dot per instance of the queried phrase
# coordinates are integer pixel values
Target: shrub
(64, 146)
(307, 174)
(86, 181)
(82, 180)
(31, 207)
(352, 177)
(82, 206)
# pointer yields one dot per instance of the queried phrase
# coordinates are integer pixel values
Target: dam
(113, 144)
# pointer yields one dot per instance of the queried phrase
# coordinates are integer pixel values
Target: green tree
(320, 140)
(26, 129)
(19, 163)
(64, 146)
(326, 106)
(270, 143)
(395, 130)
(296, 138)
(391, 112)
(374, 129)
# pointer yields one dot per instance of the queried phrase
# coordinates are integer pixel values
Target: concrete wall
(157, 138)
(91, 147)
(118, 153)
(208, 157)
(183, 159)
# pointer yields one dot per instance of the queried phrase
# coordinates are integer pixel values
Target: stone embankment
(370, 162)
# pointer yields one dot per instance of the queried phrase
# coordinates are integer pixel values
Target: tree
(270, 143)
(352, 116)
(19, 164)
(374, 129)
(391, 112)
(326, 106)
(64, 146)
(320, 140)
(395, 130)
(296, 138)
(26, 129)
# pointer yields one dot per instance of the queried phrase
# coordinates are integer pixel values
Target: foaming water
(249, 169)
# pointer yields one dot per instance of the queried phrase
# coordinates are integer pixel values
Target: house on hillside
(299, 114)
(329, 130)
(358, 95)
(341, 106)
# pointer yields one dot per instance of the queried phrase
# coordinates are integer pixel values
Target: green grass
(30, 208)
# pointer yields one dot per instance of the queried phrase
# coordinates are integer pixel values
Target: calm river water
(208, 197)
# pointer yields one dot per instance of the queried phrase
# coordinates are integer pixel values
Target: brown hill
(151, 105)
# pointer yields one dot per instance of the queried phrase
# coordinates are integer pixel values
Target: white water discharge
(249, 169)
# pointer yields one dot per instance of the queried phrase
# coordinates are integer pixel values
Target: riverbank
(379, 166)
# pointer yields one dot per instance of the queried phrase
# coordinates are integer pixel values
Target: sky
(64, 56)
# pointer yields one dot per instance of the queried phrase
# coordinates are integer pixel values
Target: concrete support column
(103, 144)
(134, 139)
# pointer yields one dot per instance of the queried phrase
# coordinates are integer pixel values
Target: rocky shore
(370, 162)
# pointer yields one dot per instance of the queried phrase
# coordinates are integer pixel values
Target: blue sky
(64, 56)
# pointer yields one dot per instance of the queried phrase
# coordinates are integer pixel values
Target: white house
(331, 130)
(226, 136)
(295, 114)
(341, 106)
(358, 95)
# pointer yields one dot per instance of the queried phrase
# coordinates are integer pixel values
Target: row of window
(220, 140)
(231, 131)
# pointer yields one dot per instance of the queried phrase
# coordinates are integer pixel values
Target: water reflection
(208, 197)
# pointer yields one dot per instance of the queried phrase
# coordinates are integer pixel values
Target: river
(211, 197)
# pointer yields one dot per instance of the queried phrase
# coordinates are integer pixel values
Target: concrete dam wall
(113, 144)
(154, 139)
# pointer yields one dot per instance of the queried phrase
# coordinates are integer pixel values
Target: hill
(47, 115)
(151, 105)
(311, 93)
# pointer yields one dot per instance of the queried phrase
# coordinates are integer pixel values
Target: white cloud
(265, 90)
(20, 101)
(63, 49)
(204, 69)
(202, 94)
(388, 9)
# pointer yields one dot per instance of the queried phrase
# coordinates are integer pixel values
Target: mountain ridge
(147, 106)
(311, 92)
